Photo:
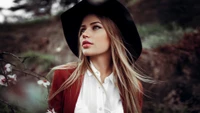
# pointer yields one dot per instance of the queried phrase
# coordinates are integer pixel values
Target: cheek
(106, 39)
(104, 42)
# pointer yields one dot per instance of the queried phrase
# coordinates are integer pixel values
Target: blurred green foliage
(41, 60)
(154, 35)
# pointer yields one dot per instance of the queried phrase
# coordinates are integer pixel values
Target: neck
(103, 65)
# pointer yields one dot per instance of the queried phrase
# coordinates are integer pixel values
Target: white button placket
(103, 93)
(106, 103)
(100, 99)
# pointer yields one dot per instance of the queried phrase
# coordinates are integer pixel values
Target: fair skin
(95, 44)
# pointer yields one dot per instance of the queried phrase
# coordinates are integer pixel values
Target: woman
(104, 37)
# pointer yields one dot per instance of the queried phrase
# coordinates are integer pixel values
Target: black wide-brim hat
(113, 9)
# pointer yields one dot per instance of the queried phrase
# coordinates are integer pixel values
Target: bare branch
(11, 108)
(30, 73)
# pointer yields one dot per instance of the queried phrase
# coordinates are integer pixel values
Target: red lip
(86, 42)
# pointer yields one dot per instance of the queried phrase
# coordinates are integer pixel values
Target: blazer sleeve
(56, 102)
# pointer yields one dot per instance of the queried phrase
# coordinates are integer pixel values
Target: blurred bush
(38, 62)
(155, 35)
(176, 67)
(185, 13)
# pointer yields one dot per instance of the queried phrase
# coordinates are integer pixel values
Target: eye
(81, 31)
(95, 27)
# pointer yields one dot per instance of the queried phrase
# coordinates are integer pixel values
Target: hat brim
(72, 19)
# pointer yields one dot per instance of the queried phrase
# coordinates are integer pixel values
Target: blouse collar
(97, 73)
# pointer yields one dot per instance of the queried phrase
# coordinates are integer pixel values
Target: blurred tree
(40, 7)
(183, 12)
(43, 7)
(67, 2)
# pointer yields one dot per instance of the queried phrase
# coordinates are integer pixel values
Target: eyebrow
(92, 23)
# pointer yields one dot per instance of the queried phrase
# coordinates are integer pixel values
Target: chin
(88, 54)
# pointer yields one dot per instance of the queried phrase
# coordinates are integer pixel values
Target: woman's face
(94, 40)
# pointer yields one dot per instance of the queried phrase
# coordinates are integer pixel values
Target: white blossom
(3, 80)
(13, 77)
(8, 68)
(45, 83)
(51, 111)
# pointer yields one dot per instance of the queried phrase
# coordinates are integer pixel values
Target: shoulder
(59, 74)
(65, 70)
(68, 66)
(62, 72)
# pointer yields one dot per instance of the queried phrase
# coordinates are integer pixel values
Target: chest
(98, 98)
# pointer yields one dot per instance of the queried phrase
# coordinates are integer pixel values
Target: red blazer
(65, 101)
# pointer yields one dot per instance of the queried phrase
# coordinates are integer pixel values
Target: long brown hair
(127, 79)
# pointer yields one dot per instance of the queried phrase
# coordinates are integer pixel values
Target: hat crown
(96, 2)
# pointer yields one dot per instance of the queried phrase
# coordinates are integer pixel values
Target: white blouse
(94, 99)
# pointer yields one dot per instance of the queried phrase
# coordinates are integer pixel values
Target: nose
(86, 34)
